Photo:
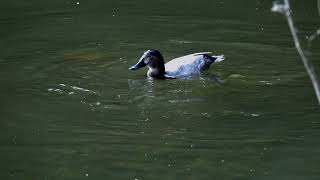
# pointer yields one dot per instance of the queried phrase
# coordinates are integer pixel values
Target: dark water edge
(70, 109)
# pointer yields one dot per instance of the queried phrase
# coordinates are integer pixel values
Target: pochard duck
(192, 64)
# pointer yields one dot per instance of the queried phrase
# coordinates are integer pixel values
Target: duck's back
(189, 64)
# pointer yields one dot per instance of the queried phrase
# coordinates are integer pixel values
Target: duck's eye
(146, 60)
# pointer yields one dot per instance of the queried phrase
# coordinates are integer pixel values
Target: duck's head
(151, 58)
(154, 60)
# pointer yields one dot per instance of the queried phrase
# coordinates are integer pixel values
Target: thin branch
(313, 37)
(285, 9)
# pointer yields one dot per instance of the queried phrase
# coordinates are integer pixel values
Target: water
(70, 109)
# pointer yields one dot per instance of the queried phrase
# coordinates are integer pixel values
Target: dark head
(154, 60)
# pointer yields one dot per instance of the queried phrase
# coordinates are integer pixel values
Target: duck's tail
(218, 58)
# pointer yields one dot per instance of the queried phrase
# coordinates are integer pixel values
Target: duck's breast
(186, 65)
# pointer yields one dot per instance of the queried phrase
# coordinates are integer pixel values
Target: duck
(188, 65)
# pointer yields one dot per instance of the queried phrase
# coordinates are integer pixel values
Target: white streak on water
(82, 89)
(266, 82)
(70, 89)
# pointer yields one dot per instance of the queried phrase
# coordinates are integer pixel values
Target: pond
(70, 109)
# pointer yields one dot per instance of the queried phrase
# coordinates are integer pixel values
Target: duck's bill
(140, 64)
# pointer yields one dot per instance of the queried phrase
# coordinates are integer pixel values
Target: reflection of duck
(183, 66)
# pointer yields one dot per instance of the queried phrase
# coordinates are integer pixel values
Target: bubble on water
(77, 2)
(87, 174)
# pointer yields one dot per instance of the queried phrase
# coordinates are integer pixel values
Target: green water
(70, 109)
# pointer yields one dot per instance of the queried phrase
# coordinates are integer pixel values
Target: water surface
(70, 109)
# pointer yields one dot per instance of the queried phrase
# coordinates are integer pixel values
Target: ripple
(175, 41)
(184, 100)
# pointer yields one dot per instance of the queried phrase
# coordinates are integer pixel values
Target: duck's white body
(183, 66)
(191, 64)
